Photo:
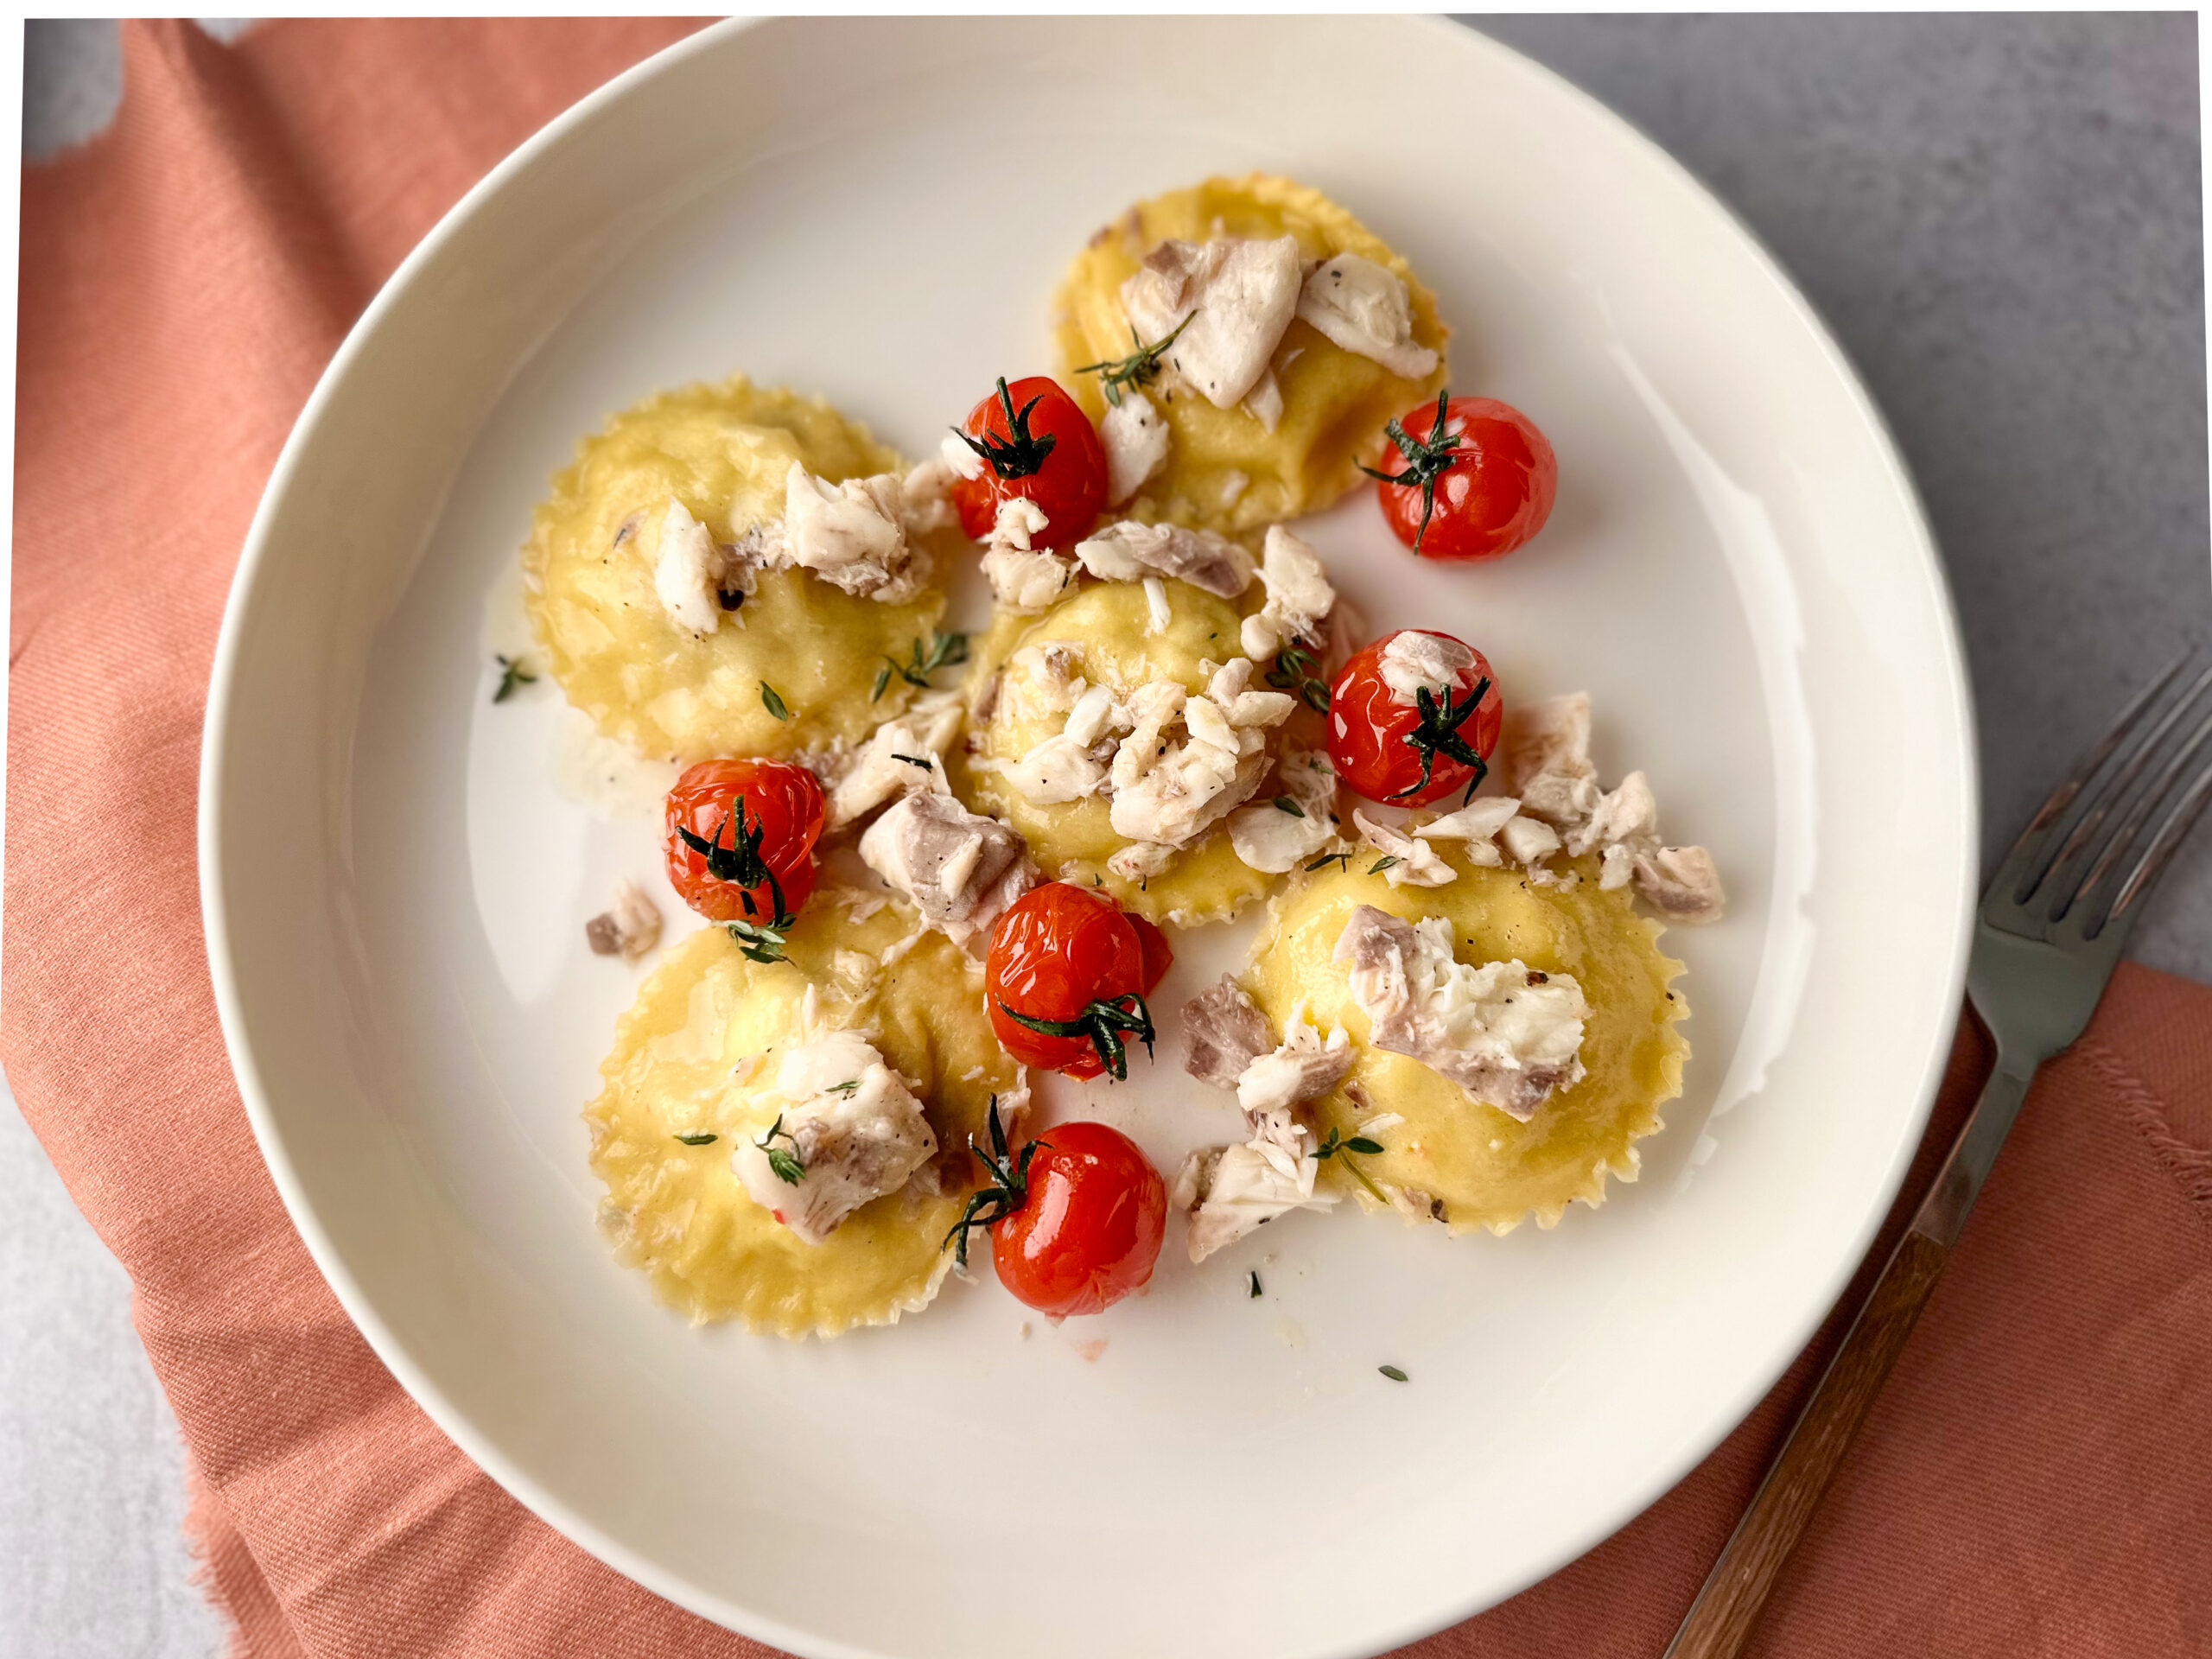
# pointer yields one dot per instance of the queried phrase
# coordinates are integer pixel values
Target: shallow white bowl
(394, 883)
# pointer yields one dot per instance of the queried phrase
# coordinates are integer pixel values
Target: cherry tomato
(1065, 979)
(1159, 955)
(1089, 1230)
(1075, 1220)
(1034, 441)
(1492, 478)
(741, 838)
(1393, 751)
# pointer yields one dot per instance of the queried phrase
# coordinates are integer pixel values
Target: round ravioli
(1456, 1157)
(1224, 470)
(1107, 629)
(724, 452)
(683, 1065)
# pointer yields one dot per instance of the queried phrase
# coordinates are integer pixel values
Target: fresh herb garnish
(512, 674)
(1021, 452)
(1138, 368)
(698, 1139)
(943, 651)
(773, 701)
(1427, 460)
(1284, 804)
(784, 1160)
(1334, 1147)
(1104, 1022)
(1293, 672)
(741, 861)
(1382, 864)
(1253, 1277)
(1438, 733)
(1007, 1190)
(844, 1088)
(913, 760)
(1392, 1372)
(1342, 861)
(761, 941)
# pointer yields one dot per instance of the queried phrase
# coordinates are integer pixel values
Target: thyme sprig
(1334, 1147)
(943, 651)
(1341, 860)
(1438, 733)
(1426, 459)
(1138, 367)
(512, 673)
(1021, 452)
(784, 1161)
(1007, 1191)
(1293, 672)
(1104, 1022)
(741, 863)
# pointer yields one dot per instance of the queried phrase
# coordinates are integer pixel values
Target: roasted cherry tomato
(1159, 955)
(1477, 491)
(1034, 441)
(741, 840)
(1076, 1219)
(1066, 978)
(1419, 749)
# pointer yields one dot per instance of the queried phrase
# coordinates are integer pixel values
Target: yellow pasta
(1225, 471)
(679, 1212)
(723, 451)
(1480, 1165)
(1107, 623)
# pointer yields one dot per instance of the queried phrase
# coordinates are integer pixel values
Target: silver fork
(2052, 926)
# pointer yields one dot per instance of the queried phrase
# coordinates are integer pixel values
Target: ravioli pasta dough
(1108, 626)
(1486, 1169)
(679, 1212)
(724, 452)
(1225, 471)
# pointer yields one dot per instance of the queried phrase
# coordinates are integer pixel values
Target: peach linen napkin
(2037, 1479)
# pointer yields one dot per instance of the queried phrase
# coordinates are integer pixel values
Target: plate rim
(1787, 1341)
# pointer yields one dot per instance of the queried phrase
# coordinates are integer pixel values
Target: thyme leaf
(1021, 452)
(512, 673)
(701, 1140)
(1393, 1373)
(1105, 1023)
(1138, 368)
(1426, 459)
(882, 681)
(1284, 804)
(913, 760)
(1007, 1191)
(1253, 1279)
(784, 1162)
(773, 702)
(1382, 864)
(1334, 1147)
(1342, 861)
(844, 1088)
(1293, 672)
(943, 651)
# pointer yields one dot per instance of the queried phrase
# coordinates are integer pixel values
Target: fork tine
(2022, 861)
(2163, 845)
(2173, 769)
(2114, 786)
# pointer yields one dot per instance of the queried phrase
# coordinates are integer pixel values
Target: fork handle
(1721, 1619)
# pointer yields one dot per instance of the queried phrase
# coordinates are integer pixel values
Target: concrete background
(1999, 216)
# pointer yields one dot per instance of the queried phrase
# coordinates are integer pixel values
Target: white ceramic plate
(394, 884)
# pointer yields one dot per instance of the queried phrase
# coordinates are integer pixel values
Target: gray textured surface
(1999, 215)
